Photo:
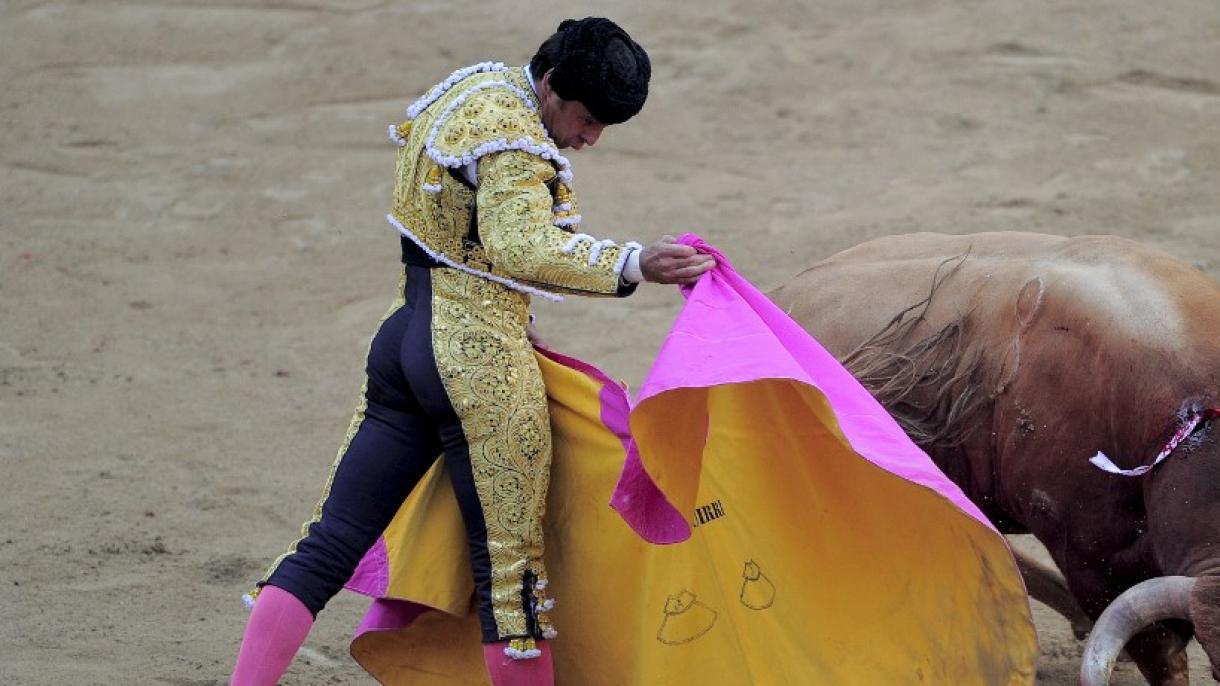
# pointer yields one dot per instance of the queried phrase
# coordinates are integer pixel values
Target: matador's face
(568, 121)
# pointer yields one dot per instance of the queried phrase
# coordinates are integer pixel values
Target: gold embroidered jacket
(516, 226)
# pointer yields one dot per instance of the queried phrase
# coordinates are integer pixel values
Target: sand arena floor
(193, 255)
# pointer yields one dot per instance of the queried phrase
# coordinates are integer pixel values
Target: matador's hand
(669, 262)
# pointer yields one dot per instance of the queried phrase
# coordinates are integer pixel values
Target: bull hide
(1013, 358)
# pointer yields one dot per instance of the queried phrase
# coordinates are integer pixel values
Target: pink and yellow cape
(815, 544)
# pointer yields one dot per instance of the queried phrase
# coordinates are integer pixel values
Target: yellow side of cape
(807, 565)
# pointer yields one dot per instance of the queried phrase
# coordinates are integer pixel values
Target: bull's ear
(1029, 302)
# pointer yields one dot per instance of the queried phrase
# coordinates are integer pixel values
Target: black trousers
(407, 422)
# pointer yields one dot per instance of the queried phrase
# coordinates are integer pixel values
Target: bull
(1014, 358)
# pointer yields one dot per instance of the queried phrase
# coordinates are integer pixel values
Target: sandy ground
(192, 254)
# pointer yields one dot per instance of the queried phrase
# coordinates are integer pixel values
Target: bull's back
(852, 295)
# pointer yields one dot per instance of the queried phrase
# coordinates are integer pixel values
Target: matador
(487, 218)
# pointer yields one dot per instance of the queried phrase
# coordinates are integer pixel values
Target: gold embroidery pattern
(492, 379)
(566, 207)
(493, 113)
(516, 222)
(516, 212)
(352, 428)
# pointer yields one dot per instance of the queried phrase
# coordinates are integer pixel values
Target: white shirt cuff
(631, 269)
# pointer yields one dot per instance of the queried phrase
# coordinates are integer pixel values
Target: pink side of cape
(731, 333)
(372, 578)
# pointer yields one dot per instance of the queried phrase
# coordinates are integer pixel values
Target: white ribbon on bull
(1185, 429)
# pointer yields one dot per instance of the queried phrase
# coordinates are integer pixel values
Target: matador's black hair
(596, 63)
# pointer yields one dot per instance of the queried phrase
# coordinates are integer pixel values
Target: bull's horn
(1144, 604)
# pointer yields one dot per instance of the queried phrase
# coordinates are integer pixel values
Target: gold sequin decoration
(522, 645)
(492, 379)
(516, 222)
(520, 190)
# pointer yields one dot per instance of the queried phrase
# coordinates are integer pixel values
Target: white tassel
(248, 601)
(596, 249)
(549, 633)
(523, 654)
(431, 187)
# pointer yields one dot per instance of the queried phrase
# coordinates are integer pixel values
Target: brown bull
(1013, 359)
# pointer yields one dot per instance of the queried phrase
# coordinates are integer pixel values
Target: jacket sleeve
(517, 228)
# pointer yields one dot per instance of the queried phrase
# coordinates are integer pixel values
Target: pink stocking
(505, 671)
(278, 626)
